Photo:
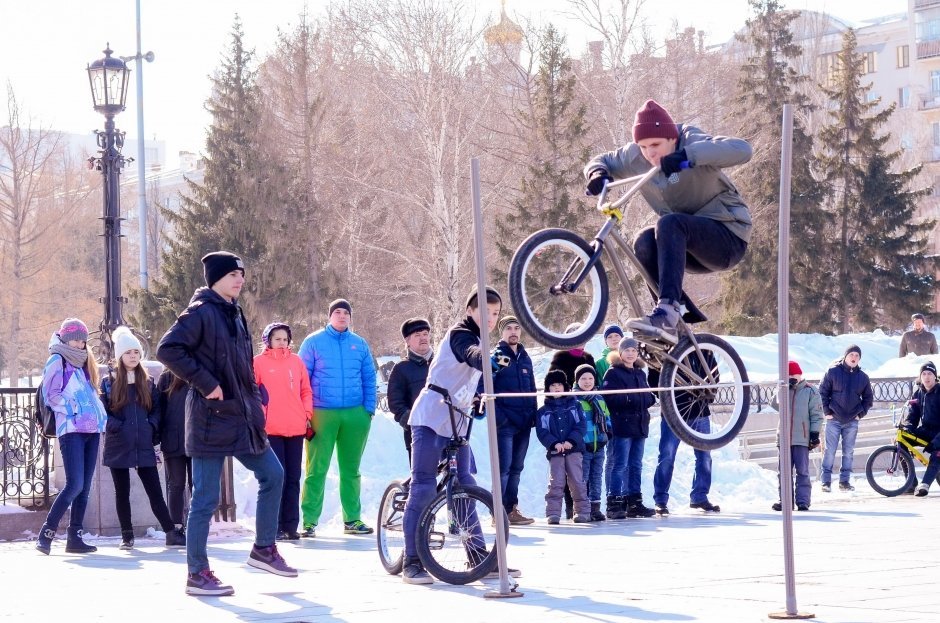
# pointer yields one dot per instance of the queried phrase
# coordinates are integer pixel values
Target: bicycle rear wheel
(389, 528)
(456, 542)
(540, 277)
(890, 470)
(724, 409)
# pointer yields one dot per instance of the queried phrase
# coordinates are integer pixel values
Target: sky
(45, 46)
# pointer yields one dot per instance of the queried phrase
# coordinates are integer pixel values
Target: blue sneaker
(356, 527)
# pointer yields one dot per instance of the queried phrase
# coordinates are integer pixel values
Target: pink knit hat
(73, 329)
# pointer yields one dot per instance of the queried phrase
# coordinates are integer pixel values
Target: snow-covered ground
(736, 484)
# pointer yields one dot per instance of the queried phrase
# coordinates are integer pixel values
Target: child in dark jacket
(132, 403)
(630, 416)
(560, 426)
(597, 419)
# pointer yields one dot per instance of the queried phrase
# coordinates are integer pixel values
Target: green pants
(347, 430)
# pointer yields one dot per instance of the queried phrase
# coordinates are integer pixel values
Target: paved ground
(859, 558)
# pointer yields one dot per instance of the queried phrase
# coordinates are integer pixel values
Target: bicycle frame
(911, 441)
(657, 350)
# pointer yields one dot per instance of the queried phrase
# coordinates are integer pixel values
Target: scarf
(75, 356)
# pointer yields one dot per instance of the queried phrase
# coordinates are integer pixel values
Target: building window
(935, 83)
(828, 68)
(904, 56)
(904, 97)
(936, 133)
(868, 63)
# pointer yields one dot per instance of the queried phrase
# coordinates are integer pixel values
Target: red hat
(795, 368)
(652, 121)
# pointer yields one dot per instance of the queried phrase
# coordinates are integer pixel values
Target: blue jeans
(628, 465)
(799, 457)
(427, 448)
(207, 481)
(834, 430)
(512, 446)
(668, 445)
(608, 467)
(592, 464)
(79, 458)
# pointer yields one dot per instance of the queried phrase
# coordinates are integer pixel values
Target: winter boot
(176, 538)
(635, 508)
(516, 518)
(44, 543)
(76, 543)
(615, 507)
(127, 539)
(596, 514)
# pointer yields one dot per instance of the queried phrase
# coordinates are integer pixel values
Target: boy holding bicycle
(455, 371)
(704, 225)
(923, 420)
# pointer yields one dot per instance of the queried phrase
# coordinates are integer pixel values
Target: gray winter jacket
(701, 191)
(806, 414)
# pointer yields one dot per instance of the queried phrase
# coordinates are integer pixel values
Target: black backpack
(45, 416)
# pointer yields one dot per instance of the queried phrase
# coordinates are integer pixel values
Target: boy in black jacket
(209, 347)
(923, 420)
(409, 375)
(560, 425)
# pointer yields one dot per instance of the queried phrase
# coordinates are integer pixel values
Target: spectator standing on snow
(806, 419)
(846, 398)
(409, 375)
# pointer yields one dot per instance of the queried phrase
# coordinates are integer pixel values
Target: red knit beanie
(795, 368)
(652, 121)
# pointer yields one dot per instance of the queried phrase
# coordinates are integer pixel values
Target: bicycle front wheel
(389, 528)
(704, 418)
(541, 288)
(456, 539)
(890, 470)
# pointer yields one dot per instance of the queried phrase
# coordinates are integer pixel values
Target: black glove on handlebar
(596, 183)
(813, 440)
(673, 162)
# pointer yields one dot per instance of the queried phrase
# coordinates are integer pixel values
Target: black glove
(813, 441)
(673, 162)
(309, 433)
(596, 182)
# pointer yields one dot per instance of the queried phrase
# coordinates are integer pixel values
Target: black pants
(682, 242)
(179, 480)
(290, 452)
(150, 479)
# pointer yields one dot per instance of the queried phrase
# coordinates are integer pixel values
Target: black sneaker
(662, 510)
(176, 538)
(206, 584)
(706, 506)
(309, 532)
(826, 487)
(802, 507)
(922, 490)
(414, 573)
(777, 506)
(846, 486)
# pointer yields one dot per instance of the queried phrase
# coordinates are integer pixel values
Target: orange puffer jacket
(282, 377)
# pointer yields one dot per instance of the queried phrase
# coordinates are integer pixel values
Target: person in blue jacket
(342, 376)
(515, 417)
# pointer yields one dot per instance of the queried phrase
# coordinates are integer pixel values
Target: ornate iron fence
(26, 457)
(885, 391)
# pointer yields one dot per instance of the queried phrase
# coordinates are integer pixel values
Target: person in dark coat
(177, 466)
(515, 417)
(209, 347)
(630, 420)
(918, 340)
(696, 412)
(133, 405)
(923, 420)
(409, 375)
(568, 361)
(846, 398)
(560, 425)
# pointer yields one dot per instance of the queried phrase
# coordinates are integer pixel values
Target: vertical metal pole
(141, 166)
(488, 378)
(783, 390)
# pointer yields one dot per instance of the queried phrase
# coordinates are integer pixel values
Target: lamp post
(108, 78)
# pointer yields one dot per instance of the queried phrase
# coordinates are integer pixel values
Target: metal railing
(26, 457)
(885, 391)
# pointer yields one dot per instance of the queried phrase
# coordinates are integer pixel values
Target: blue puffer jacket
(342, 373)
(846, 392)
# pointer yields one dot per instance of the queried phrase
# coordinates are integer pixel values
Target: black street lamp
(108, 78)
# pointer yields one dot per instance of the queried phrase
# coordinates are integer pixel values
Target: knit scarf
(75, 356)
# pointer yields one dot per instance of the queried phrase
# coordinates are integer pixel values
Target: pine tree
(768, 81)
(226, 211)
(556, 151)
(878, 251)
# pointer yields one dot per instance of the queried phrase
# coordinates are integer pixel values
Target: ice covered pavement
(859, 558)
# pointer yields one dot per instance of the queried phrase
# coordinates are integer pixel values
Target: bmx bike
(456, 532)
(556, 278)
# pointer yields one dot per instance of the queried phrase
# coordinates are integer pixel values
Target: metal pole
(783, 391)
(504, 589)
(110, 141)
(141, 167)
